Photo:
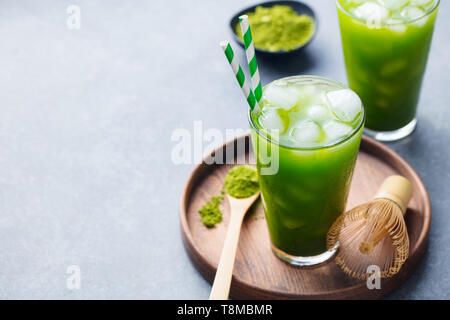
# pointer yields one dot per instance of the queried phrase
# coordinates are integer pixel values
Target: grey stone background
(86, 119)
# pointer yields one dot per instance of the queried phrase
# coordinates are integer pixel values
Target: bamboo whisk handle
(397, 189)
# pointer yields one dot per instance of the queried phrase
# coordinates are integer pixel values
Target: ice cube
(393, 68)
(305, 131)
(306, 91)
(414, 13)
(270, 119)
(393, 4)
(336, 130)
(386, 89)
(372, 12)
(396, 25)
(345, 104)
(311, 94)
(318, 112)
(292, 222)
(281, 96)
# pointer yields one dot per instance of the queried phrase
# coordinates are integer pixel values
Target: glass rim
(436, 5)
(327, 146)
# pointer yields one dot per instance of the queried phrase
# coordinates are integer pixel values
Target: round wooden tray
(258, 273)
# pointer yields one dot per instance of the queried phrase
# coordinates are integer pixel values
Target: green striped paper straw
(251, 57)
(240, 76)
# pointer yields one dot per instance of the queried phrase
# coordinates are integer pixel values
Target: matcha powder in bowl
(279, 28)
(242, 182)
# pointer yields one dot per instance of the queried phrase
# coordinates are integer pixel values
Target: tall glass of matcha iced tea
(386, 45)
(311, 128)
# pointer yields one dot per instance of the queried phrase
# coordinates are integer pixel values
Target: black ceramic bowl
(298, 7)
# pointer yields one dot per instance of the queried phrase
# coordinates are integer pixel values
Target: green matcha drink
(320, 124)
(386, 45)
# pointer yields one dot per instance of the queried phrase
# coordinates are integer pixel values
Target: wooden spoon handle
(221, 287)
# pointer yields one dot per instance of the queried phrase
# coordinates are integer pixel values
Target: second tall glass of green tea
(386, 45)
(306, 140)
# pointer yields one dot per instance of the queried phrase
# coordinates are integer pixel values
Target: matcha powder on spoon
(240, 182)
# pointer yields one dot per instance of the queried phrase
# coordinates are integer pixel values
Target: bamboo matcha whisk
(374, 233)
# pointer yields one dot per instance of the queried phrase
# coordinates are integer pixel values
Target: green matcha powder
(210, 212)
(240, 182)
(279, 28)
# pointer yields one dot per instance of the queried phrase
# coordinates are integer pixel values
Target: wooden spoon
(238, 208)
